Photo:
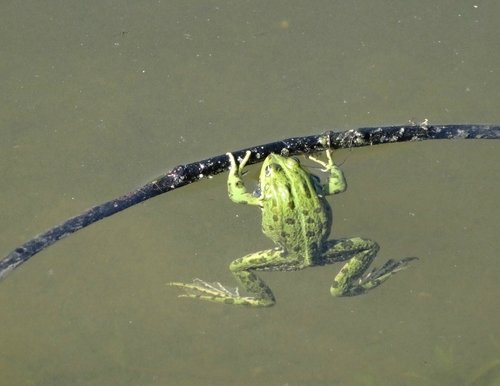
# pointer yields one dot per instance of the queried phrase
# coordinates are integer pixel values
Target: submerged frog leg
(242, 269)
(268, 260)
(360, 253)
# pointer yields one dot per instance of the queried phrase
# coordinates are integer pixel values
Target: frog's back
(295, 217)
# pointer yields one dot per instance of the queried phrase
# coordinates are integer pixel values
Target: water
(98, 98)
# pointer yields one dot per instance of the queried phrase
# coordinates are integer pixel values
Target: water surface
(100, 97)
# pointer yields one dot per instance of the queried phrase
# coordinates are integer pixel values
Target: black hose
(186, 174)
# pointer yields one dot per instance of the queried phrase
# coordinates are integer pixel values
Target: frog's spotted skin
(296, 216)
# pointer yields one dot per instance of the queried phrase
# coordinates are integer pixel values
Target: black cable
(186, 174)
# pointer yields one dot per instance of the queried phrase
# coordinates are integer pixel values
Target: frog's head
(279, 171)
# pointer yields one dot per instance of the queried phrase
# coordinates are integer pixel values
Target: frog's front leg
(360, 253)
(336, 181)
(235, 186)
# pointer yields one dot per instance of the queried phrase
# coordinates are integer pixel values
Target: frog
(297, 217)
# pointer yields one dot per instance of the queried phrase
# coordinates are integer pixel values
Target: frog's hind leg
(243, 270)
(360, 253)
(267, 260)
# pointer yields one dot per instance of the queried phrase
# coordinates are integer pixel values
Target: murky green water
(100, 97)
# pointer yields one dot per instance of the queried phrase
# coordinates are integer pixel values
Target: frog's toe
(216, 292)
(378, 275)
(389, 268)
(201, 288)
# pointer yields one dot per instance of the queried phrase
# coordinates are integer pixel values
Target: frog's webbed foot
(200, 287)
(380, 274)
(216, 292)
(389, 268)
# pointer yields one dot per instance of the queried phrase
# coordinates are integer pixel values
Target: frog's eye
(272, 168)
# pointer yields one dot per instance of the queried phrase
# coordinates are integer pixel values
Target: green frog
(297, 218)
